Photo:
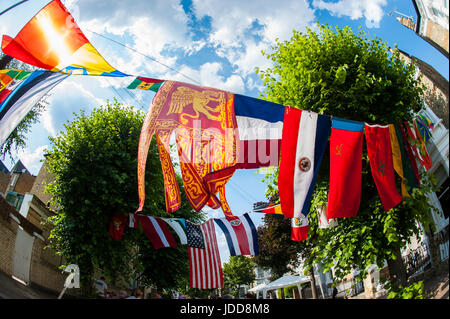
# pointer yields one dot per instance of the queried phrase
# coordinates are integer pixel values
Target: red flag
(299, 228)
(205, 268)
(345, 168)
(117, 226)
(381, 164)
(409, 152)
(156, 230)
(419, 148)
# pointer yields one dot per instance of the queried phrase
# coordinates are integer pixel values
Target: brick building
(23, 235)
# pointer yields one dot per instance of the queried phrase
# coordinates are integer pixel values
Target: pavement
(14, 289)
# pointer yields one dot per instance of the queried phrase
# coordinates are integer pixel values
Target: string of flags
(218, 132)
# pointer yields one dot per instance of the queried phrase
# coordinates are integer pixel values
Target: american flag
(205, 268)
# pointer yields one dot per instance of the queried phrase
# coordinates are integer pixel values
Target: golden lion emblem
(184, 96)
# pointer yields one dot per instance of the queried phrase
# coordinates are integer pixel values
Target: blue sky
(214, 43)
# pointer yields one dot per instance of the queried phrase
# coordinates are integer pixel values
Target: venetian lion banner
(204, 124)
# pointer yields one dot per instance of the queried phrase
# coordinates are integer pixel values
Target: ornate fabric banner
(204, 125)
(381, 164)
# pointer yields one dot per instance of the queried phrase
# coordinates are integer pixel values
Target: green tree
(238, 271)
(94, 161)
(343, 74)
(17, 139)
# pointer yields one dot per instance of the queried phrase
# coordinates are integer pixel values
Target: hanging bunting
(322, 218)
(397, 159)
(260, 127)
(418, 145)
(205, 267)
(179, 226)
(204, 124)
(272, 209)
(9, 80)
(344, 193)
(305, 135)
(117, 226)
(143, 83)
(409, 159)
(23, 96)
(53, 41)
(381, 164)
(241, 235)
(156, 230)
(299, 228)
(425, 126)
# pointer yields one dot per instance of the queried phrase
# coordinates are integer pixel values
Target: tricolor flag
(418, 145)
(205, 267)
(156, 230)
(425, 126)
(52, 40)
(305, 135)
(381, 164)
(25, 94)
(299, 228)
(409, 159)
(143, 83)
(179, 226)
(241, 235)
(260, 127)
(397, 159)
(344, 193)
(271, 209)
(9, 80)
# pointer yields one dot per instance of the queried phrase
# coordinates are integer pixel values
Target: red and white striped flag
(156, 230)
(205, 267)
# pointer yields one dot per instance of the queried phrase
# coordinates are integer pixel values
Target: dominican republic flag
(205, 267)
(346, 142)
(305, 136)
(156, 230)
(260, 127)
(23, 97)
(241, 235)
(382, 164)
(299, 228)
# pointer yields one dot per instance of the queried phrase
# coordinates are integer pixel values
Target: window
(443, 196)
(14, 199)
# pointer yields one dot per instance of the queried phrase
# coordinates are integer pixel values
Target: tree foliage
(277, 251)
(348, 75)
(94, 161)
(238, 271)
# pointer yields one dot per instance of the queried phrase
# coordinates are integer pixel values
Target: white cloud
(370, 10)
(68, 97)
(240, 30)
(209, 74)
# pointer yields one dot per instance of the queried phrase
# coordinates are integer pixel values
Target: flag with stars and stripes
(205, 267)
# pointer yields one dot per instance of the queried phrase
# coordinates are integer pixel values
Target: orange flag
(52, 40)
